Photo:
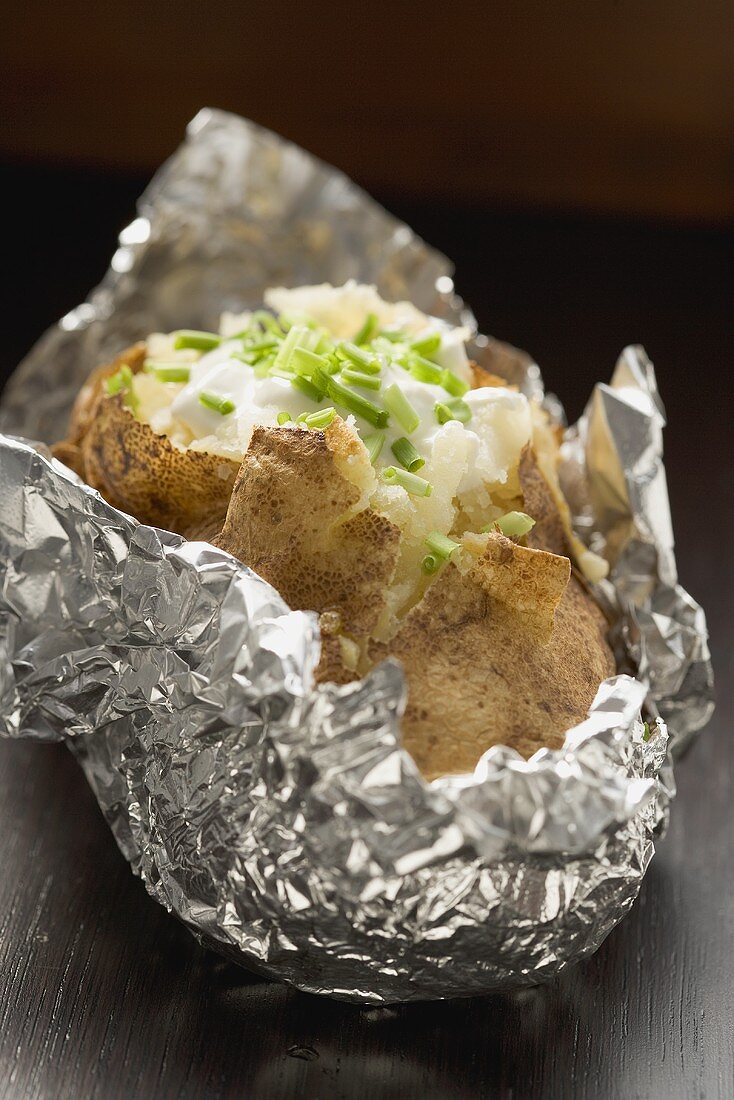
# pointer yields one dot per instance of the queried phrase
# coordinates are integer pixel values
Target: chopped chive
(368, 329)
(357, 404)
(305, 387)
(324, 346)
(214, 401)
(430, 564)
(366, 362)
(172, 373)
(283, 418)
(366, 381)
(266, 321)
(374, 444)
(394, 335)
(263, 345)
(304, 361)
(279, 372)
(120, 381)
(424, 371)
(407, 455)
(246, 357)
(151, 365)
(512, 524)
(397, 403)
(441, 545)
(333, 363)
(288, 346)
(453, 384)
(319, 420)
(191, 338)
(320, 378)
(454, 409)
(426, 345)
(412, 483)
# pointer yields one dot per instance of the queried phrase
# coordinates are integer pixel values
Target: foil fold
(284, 823)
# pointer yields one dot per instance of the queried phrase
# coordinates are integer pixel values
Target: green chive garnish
(394, 335)
(427, 344)
(454, 409)
(397, 403)
(453, 384)
(430, 564)
(374, 444)
(368, 329)
(169, 372)
(288, 346)
(366, 381)
(513, 525)
(319, 420)
(246, 357)
(267, 321)
(259, 347)
(424, 371)
(407, 455)
(283, 418)
(305, 362)
(412, 483)
(214, 401)
(120, 381)
(441, 545)
(202, 341)
(357, 404)
(366, 362)
(305, 387)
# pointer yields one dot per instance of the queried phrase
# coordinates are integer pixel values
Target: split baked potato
(346, 450)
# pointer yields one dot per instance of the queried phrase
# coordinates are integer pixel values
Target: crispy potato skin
(482, 671)
(510, 652)
(292, 520)
(539, 502)
(93, 392)
(144, 474)
(137, 470)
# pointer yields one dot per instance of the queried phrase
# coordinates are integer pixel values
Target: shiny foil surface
(283, 823)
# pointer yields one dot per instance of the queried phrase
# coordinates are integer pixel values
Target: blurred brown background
(623, 106)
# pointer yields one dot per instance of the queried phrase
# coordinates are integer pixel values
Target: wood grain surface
(104, 996)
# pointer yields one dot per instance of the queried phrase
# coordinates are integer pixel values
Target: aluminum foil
(284, 823)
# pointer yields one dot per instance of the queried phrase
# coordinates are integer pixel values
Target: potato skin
(294, 519)
(510, 652)
(137, 470)
(481, 673)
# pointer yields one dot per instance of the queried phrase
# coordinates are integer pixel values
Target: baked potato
(347, 451)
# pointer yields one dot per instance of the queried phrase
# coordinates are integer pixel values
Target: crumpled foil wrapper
(283, 823)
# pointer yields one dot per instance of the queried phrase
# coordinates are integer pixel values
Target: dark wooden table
(103, 995)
